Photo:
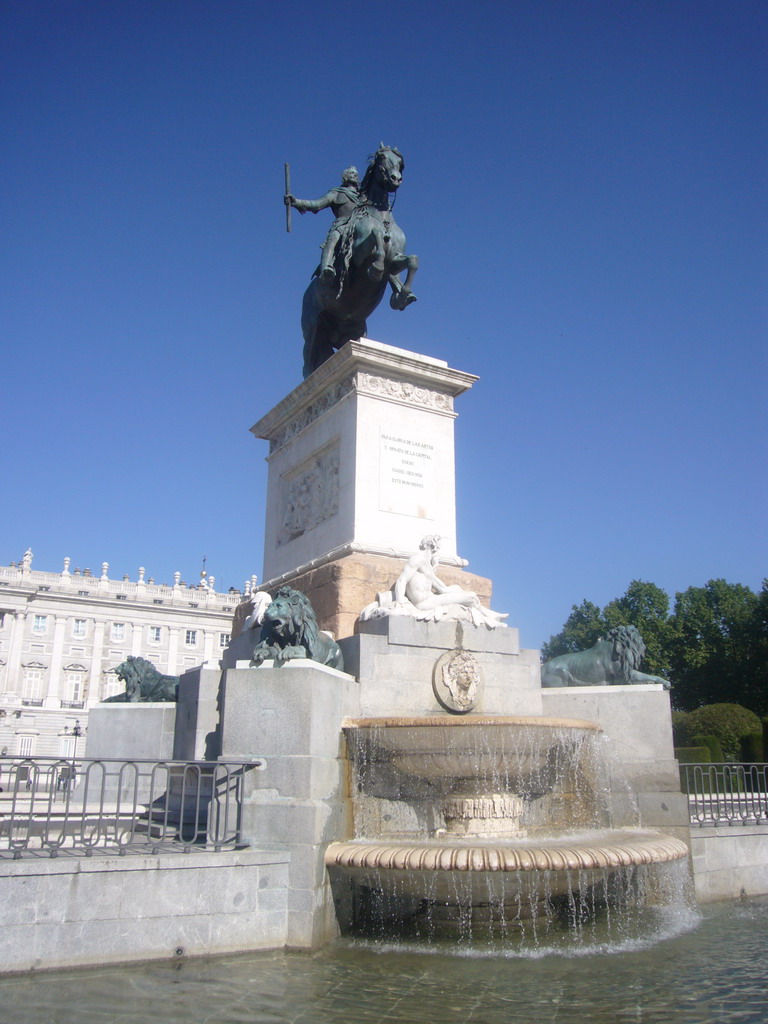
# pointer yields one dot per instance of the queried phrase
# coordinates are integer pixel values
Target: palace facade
(62, 635)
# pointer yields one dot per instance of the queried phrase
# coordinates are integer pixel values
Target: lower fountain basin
(485, 890)
(608, 848)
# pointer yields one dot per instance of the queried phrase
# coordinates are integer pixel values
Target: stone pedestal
(636, 720)
(362, 459)
(131, 731)
(291, 718)
(340, 588)
(198, 732)
(395, 658)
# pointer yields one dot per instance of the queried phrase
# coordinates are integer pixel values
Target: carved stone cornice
(368, 368)
(403, 391)
(362, 383)
(310, 413)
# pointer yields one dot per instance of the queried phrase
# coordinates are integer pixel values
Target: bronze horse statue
(370, 256)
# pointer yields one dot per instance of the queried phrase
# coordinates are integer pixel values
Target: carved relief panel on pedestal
(310, 495)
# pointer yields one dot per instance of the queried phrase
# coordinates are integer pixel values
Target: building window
(111, 685)
(118, 632)
(224, 639)
(78, 627)
(121, 597)
(155, 634)
(191, 638)
(26, 746)
(67, 746)
(40, 624)
(75, 685)
(32, 684)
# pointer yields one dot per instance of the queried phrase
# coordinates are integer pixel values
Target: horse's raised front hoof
(399, 300)
(327, 275)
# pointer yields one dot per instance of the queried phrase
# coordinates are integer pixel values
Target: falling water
(495, 833)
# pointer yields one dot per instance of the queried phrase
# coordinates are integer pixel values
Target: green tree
(713, 647)
(643, 605)
(719, 645)
(583, 628)
(758, 656)
(646, 606)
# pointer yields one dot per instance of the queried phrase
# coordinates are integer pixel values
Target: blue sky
(585, 186)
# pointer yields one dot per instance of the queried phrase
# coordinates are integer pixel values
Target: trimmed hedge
(689, 755)
(752, 747)
(692, 755)
(728, 722)
(712, 743)
(678, 727)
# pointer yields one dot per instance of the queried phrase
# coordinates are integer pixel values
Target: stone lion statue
(289, 630)
(143, 683)
(611, 662)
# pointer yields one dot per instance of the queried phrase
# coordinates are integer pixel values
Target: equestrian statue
(362, 254)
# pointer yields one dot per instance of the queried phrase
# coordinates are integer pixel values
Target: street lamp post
(77, 732)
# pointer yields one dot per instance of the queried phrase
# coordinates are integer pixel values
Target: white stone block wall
(637, 724)
(730, 862)
(291, 718)
(394, 659)
(80, 912)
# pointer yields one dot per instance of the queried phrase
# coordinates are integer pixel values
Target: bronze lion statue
(611, 662)
(289, 630)
(143, 683)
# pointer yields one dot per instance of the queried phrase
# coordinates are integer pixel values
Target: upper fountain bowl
(477, 754)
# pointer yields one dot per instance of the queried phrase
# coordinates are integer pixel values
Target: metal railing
(726, 794)
(64, 806)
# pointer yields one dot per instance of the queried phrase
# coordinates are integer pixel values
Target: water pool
(712, 969)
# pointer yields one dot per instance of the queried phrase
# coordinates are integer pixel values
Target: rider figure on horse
(343, 200)
(363, 253)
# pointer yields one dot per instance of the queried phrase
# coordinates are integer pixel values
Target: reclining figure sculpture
(420, 593)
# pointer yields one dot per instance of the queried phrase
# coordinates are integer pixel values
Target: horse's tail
(318, 345)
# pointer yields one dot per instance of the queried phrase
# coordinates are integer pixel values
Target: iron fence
(726, 794)
(64, 806)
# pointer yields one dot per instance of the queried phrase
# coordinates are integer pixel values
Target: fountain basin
(479, 825)
(477, 754)
(607, 848)
(473, 776)
(488, 891)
